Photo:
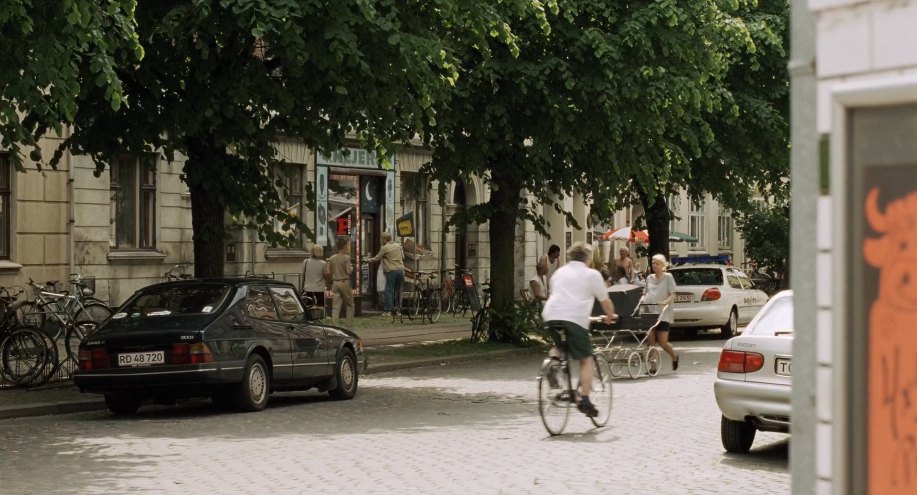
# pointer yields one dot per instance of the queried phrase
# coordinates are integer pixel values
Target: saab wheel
(737, 436)
(122, 405)
(251, 394)
(731, 325)
(347, 377)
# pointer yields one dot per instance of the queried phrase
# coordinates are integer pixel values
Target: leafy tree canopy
(617, 100)
(53, 51)
(222, 80)
(766, 230)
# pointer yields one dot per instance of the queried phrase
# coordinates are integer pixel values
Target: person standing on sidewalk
(340, 269)
(574, 289)
(313, 277)
(392, 256)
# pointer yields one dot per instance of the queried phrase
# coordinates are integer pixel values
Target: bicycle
(62, 316)
(480, 321)
(459, 302)
(23, 350)
(423, 300)
(557, 396)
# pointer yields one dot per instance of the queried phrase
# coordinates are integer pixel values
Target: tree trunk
(207, 207)
(504, 200)
(657, 224)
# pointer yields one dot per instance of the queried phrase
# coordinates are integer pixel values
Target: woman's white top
(658, 290)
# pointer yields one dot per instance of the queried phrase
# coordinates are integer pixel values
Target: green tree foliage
(222, 80)
(766, 230)
(614, 100)
(53, 51)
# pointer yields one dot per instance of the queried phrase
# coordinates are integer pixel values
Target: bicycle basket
(90, 285)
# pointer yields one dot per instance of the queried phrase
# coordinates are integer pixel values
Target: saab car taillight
(196, 353)
(740, 362)
(711, 294)
(94, 359)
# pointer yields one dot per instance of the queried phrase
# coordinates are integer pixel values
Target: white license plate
(783, 366)
(682, 298)
(141, 358)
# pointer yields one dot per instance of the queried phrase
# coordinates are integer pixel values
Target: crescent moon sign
(369, 197)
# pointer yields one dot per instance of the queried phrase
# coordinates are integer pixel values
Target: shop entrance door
(370, 242)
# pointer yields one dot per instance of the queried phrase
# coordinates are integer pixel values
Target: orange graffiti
(892, 359)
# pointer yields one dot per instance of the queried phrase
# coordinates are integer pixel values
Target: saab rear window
(258, 304)
(182, 300)
(698, 276)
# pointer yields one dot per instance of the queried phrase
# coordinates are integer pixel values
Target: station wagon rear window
(176, 300)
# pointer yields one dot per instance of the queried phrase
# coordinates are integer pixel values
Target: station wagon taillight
(196, 353)
(740, 362)
(93, 359)
(711, 294)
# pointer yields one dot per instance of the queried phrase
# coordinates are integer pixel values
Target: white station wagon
(714, 296)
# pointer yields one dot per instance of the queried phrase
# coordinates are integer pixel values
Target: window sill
(135, 255)
(9, 266)
(285, 254)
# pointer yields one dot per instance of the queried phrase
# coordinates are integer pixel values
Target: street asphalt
(65, 398)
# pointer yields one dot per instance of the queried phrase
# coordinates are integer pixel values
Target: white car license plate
(141, 358)
(682, 298)
(783, 366)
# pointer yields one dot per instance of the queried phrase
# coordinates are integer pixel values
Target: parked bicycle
(480, 321)
(461, 285)
(64, 320)
(423, 301)
(23, 350)
(557, 396)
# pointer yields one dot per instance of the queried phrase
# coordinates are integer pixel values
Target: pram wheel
(652, 360)
(634, 364)
(617, 362)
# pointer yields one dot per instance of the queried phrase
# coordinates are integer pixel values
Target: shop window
(133, 199)
(291, 190)
(6, 171)
(343, 196)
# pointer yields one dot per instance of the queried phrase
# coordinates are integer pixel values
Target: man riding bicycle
(574, 287)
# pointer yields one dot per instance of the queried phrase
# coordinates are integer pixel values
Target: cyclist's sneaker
(586, 407)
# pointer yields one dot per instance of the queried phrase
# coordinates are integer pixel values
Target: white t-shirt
(574, 289)
(658, 291)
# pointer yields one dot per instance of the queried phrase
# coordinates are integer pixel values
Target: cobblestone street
(465, 428)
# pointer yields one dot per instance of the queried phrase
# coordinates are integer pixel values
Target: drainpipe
(71, 211)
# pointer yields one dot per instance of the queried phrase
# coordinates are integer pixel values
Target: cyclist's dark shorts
(578, 343)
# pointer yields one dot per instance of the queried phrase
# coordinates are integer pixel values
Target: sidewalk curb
(94, 403)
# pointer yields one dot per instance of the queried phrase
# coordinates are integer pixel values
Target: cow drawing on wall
(892, 417)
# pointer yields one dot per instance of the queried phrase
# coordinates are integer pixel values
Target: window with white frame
(696, 224)
(292, 194)
(133, 199)
(724, 230)
(6, 171)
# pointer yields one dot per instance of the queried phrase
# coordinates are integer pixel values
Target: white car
(714, 296)
(754, 377)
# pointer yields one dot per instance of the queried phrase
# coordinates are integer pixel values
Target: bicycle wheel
(554, 398)
(27, 313)
(51, 368)
(434, 305)
(480, 326)
(413, 305)
(652, 359)
(23, 355)
(446, 300)
(95, 311)
(634, 364)
(601, 390)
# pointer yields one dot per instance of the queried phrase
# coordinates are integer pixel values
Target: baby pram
(624, 343)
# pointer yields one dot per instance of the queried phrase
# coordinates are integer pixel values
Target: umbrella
(626, 234)
(681, 237)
